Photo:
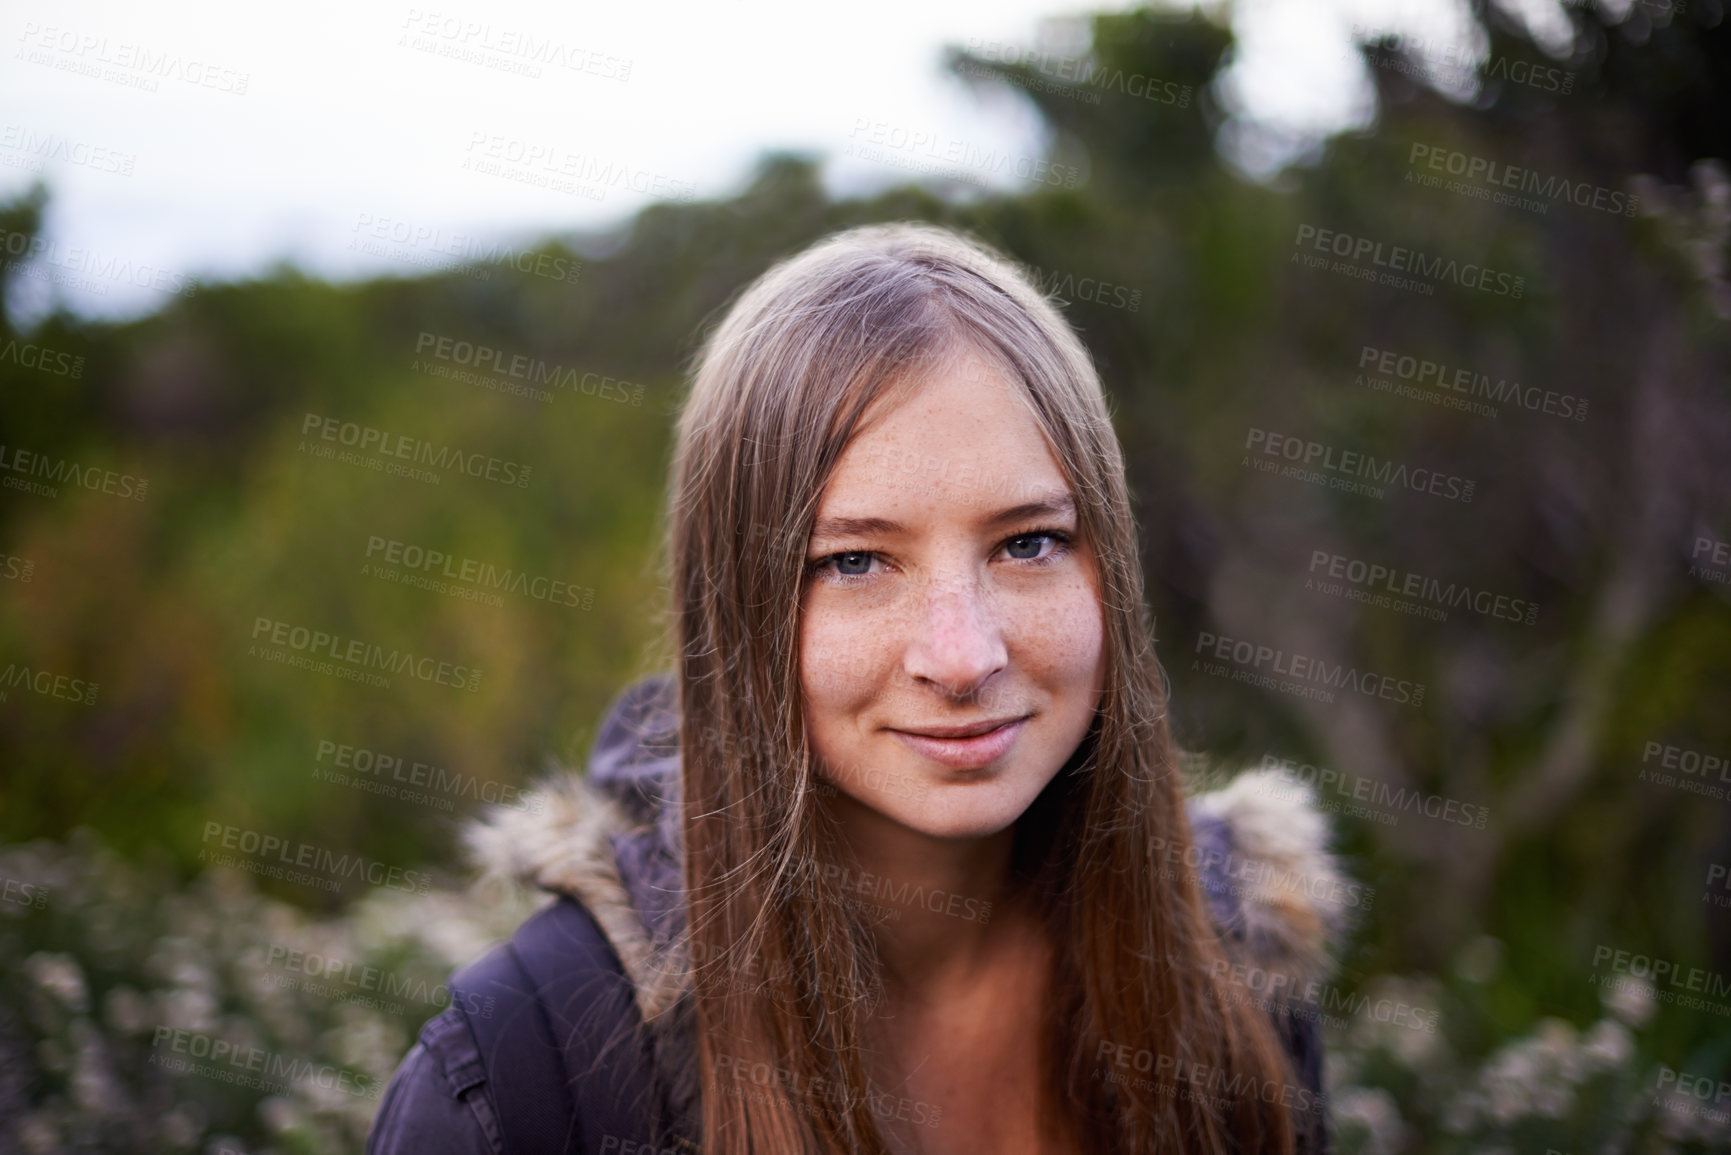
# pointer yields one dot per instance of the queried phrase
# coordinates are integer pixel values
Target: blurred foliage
(1211, 328)
(138, 1016)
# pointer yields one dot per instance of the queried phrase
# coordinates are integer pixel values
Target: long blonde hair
(777, 391)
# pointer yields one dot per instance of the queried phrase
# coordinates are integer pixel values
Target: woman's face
(947, 587)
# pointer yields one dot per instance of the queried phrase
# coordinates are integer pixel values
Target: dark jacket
(612, 1002)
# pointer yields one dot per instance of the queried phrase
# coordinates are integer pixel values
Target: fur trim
(1295, 905)
(561, 840)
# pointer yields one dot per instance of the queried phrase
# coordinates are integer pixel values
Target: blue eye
(1059, 539)
(847, 568)
(853, 566)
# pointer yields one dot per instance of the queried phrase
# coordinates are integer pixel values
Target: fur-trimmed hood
(1260, 847)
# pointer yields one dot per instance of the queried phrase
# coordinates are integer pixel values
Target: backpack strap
(556, 1023)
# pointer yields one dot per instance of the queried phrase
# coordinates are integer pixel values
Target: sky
(214, 141)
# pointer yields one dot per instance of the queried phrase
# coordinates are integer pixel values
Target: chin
(972, 810)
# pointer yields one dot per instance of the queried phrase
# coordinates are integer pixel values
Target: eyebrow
(1054, 504)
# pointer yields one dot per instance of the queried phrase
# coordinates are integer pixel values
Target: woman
(898, 859)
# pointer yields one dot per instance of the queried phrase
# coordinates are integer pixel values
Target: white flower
(39, 1134)
(1510, 1098)
(1630, 999)
(1608, 1045)
(1373, 1111)
(178, 1128)
(60, 976)
(125, 1010)
(281, 1114)
(1553, 1102)
(94, 1086)
(188, 1010)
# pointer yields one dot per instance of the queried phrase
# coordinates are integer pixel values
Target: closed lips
(972, 730)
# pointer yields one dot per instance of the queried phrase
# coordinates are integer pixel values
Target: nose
(957, 641)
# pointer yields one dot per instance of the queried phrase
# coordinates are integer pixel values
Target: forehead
(961, 434)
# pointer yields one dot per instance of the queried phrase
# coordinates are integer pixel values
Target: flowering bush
(138, 1017)
(1556, 1089)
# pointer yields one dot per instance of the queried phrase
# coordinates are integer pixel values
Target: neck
(940, 907)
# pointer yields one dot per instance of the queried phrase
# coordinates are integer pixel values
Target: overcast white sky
(197, 138)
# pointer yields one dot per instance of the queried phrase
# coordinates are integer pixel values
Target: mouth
(965, 747)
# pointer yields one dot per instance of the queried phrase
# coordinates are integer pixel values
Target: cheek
(836, 661)
(1064, 641)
